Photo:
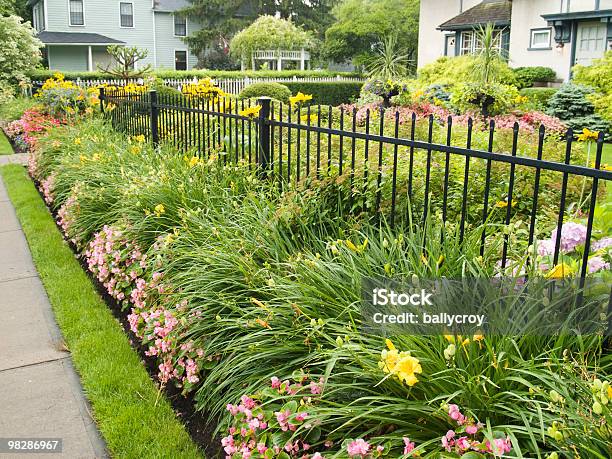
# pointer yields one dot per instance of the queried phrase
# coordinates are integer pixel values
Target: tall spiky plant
(391, 60)
(489, 55)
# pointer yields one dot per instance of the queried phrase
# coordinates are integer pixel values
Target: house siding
(102, 17)
(433, 13)
(167, 43)
(68, 58)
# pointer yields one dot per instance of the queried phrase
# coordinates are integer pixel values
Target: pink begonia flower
(455, 414)
(317, 456)
(261, 448)
(572, 235)
(408, 445)
(301, 416)
(380, 448)
(602, 244)
(500, 446)
(473, 428)
(275, 382)
(597, 264)
(447, 440)
(358, 447)
(463, 444)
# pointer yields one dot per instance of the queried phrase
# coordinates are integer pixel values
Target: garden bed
(246, 295)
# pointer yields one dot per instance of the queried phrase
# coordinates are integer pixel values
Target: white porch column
(89, 59)
(302, 60)
(279, 62)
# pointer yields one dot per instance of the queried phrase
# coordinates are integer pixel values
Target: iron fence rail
(387, 170)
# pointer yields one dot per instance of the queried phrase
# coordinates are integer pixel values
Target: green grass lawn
(135, 419)
(607, 154)
(5, 145)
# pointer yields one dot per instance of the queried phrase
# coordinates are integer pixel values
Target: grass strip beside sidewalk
(5, 146)
(135, 419)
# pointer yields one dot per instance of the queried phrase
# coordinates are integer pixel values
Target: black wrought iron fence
(390, 163)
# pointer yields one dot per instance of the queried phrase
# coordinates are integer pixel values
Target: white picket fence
(229, 85)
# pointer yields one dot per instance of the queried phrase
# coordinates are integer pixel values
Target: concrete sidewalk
(20, 158)
(40, 393)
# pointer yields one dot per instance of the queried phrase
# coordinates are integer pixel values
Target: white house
(77, 32)
(551, 33)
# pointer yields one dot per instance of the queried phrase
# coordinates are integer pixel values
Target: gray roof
(497, 12)
(170, 5)
(74, 38)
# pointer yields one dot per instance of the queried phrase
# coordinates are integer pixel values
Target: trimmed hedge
(44, 74)
(328, 93)
(276, 91)
(527, 76)
(539, 97)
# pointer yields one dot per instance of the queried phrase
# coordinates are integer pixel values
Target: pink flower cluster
(121, 267)
(528, 122)
(248, 435)
(455, 441)
(31, 123)
(46, 188)
(66, 216)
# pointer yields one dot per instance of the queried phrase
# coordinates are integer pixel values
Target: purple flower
(597, 264)
(546, 247)
(572, 235)
(601, 244)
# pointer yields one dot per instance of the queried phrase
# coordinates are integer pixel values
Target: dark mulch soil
(200, 426)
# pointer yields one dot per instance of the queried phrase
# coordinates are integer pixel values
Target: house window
(467, 43)
(471, 43)
(540, 39)
(39, 17)
(77, 16)
(180, 60)
(126, 11)
(180, 25)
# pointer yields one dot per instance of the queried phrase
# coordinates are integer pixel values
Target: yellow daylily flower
(250, 112)
(560, 271)
(588, 135)
(504, 204)
(160, 209)
(300, 98)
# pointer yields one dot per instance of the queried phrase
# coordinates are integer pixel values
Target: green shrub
(527, 76)
(41, 75)
(491, 99)
(7, 92)
(599, 77)
(274, 90)
(15, 108)
(451, 70)
(163, 90)
(328, 93)
(572, 105)
(539, 98)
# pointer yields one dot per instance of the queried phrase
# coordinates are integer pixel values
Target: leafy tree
(17, 7)
(360, 24)
(20, 50)
(269, 32)
(124, 62)
(221, 19)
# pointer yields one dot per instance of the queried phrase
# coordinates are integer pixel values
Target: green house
(76, 33)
